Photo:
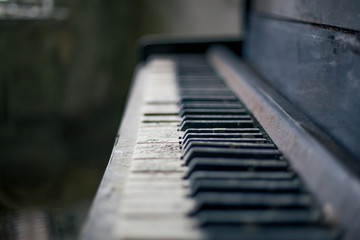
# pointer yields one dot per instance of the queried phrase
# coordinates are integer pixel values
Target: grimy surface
(153, 203)
(175, 174)
(316, 69)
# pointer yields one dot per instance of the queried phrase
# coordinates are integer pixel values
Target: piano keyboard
(242, 186)
(201, 167)
(155, 203)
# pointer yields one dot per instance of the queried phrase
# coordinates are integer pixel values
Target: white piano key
(158, 229)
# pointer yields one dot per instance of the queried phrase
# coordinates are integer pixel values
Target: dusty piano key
(189, 65)
(195, 68)
(185, 71)
(230, 153)
(216, 124)
(210, 90)
(160, 119)
(204, 81)
(259, 217)
(214, 117)
(188, 61)
(269, 232)
(230, 145)
(196, 85)
(212, 111)
(156, 165)
(217, 98)
(205, 92)
(211, 105)
(215, 200)
(209, 84)
(231, 164)
(195, 71)
(191, 61)
(236, 133)
(163, 150)
(157, 228)
(226, 140)
(221, 130)
(158, 134)
(231, 185)
(155, 177)
(195, 77)
(207, 95)
(184, 98)
(161, 109)
(204, 89)
(226, 135)
(241, 175)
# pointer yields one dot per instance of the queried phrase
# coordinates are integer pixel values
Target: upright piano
(242, 139)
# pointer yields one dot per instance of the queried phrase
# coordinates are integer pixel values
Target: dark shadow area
(63, 85)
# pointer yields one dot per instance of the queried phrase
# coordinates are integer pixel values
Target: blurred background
(66, 67)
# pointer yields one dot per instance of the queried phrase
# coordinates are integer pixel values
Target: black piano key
(215, 117)
(216, 124)
(204, 75)
(230, 153)
(205, 92)
(217, 98)
(269, 233)
(206, 86)
(215, 200)
(204, 89)
(226, 140)
(231, 145)
(197, 72)
(241, 175)
(221, 130)
(185, 70)
(222, 135)
(199, 84)
(210, 105)
(231, 164)
(193, 117)
(203, 81)
(231, 185)
(259, 217)
(195, 68)
(193, 78)
(209, 84)
(212, 111)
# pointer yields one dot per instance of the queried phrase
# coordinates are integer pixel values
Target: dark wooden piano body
(252, 139)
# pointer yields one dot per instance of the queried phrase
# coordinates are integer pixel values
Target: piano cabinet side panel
(316, 68)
